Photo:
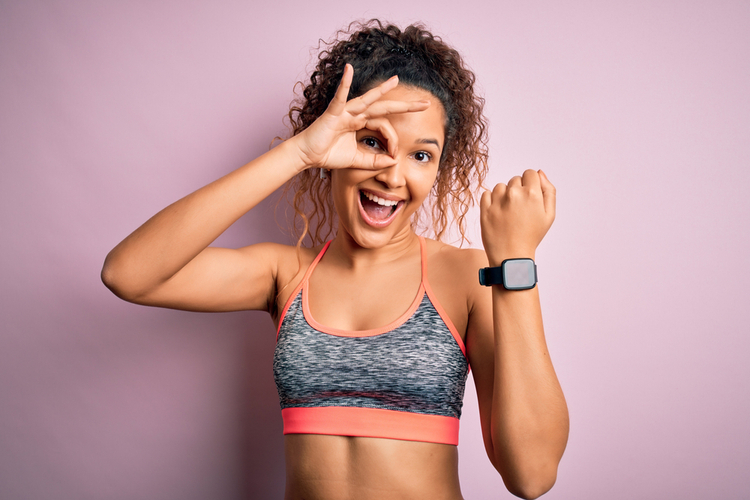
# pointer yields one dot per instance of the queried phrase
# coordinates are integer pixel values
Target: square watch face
(519, 274)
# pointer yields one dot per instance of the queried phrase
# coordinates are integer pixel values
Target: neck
(352, 255)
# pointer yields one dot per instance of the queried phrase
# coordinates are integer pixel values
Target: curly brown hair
(378, 51)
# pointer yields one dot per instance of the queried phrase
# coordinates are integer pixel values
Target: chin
(374, 238)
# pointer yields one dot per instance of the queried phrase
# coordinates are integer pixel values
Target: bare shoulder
(458, 262)
(289, 265)
(453, 277)
(283, 259)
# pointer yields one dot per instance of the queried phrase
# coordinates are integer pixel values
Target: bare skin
(368, 468)
(388, 143)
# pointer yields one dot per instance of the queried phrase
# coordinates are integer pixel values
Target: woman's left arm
(523, 410)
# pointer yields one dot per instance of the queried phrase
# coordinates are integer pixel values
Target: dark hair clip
(401, 51)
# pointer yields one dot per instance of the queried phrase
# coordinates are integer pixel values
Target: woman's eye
(422, 156)
(371, 142)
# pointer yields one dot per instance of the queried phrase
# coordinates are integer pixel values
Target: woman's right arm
(167, 262)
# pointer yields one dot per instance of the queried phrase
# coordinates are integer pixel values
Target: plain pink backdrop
(638, 111)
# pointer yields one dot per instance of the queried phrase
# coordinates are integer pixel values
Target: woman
(377, 328)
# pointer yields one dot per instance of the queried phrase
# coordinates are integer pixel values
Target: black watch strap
(489, 276)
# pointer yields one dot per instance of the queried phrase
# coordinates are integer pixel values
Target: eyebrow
(429, 141)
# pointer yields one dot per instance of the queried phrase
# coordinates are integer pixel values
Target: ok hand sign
(331, 142)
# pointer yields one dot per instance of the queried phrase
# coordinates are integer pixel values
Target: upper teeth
(380, 201)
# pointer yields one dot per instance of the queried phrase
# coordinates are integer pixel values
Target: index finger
(362, 102)
(383, 108)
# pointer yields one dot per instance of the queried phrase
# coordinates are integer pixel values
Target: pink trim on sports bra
(300, 285)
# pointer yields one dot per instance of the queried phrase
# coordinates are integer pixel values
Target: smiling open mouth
(377, 211)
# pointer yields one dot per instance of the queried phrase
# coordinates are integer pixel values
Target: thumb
(372, 161)
(549, 193)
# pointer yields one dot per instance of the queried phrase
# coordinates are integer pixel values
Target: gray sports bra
(402, 381)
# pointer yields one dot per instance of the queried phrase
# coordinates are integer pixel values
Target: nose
(393, 176)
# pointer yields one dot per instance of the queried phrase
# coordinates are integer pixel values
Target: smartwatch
(513, 274)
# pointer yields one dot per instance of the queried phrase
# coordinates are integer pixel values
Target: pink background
(638, 111)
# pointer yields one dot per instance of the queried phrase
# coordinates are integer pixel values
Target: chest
(374, 300)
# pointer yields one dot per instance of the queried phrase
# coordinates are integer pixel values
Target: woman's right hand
(331, 140)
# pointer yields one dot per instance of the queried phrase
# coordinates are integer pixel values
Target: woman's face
(374, 206)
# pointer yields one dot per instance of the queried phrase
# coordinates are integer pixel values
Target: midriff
(340, 467)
